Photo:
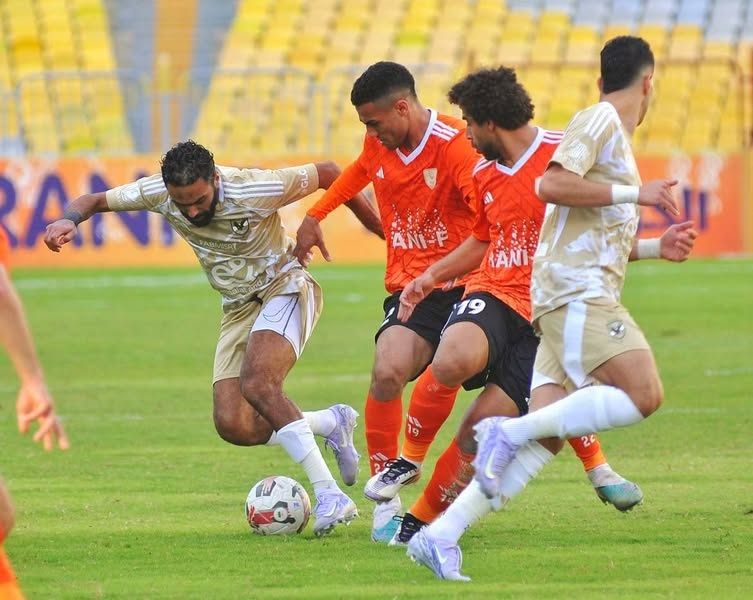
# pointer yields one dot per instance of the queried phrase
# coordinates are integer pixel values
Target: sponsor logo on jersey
(514, 257)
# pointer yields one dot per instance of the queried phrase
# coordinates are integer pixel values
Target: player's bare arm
(62, 231)
(675, 244)
(460, 261)
(561, 186)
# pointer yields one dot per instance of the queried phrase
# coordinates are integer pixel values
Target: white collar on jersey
(417, 150)
(526, 155)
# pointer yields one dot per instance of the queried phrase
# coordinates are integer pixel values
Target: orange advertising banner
(34, 192)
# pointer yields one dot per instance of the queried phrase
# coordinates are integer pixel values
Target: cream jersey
(245, 246)
(583, 252)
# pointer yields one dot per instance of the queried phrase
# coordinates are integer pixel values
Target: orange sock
(452, 474)
(430, 405)
(588, 450)
(383, 420)
(8, 586)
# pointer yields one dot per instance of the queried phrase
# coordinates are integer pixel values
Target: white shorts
(293, 315)
(282, 314)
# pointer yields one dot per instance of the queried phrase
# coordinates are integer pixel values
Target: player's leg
(453, 471)
(463, 352)
(436, 546)
(269, 358)
(611, 487)
(400, 355)
(595, 342)
(238, 422)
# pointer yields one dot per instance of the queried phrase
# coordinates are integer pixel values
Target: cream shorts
(579, 337)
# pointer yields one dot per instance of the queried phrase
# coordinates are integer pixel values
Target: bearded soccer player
(420, 165)
(587, 237)
(270, 303)
(34, 402)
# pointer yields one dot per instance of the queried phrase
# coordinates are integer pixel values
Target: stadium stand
(79, 76)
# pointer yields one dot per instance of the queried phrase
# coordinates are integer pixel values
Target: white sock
(604, 475)
(588, 410)
(299, 443)
(321, 422)
(470, 506)
(528, 462)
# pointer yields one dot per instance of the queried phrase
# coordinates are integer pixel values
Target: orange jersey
(509, 218)
(425, 199)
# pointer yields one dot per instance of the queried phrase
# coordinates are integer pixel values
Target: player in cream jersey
(586, 335)
(583, 251)
(270, 302)
(244, 248)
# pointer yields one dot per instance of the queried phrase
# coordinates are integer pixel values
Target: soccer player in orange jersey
(34, 402)
(420, 164)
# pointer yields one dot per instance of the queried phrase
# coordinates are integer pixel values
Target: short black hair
(622, 60)
(380, 80)
(185, 163)
(493, 95)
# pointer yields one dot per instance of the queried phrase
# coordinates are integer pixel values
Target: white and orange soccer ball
(278, 505)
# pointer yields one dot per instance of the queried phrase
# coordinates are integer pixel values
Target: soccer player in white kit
(270, 303)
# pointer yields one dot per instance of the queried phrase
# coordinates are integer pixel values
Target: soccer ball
(278, 505)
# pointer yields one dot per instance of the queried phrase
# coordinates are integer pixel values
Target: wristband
(73, 215)
(625, 194)
(650, 248)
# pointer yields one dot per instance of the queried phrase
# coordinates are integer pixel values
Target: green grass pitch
(148, 503)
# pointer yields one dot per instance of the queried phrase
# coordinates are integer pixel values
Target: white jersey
(245, 246)
(583, 252)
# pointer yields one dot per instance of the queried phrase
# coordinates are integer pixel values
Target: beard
(205, 218)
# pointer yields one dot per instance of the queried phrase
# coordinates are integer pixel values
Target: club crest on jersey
(488, 198)
(616, 329)
(430, 177)
(380, 173)
(240, 227)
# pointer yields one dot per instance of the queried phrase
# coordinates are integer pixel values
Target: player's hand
(34, 403)
(659, 193)
(413, 293)
(677, 241)
(309, 235)
(59, 233)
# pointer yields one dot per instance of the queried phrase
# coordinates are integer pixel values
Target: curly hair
(493, 95)
(185, 163)
(379, 80)
(622, 60)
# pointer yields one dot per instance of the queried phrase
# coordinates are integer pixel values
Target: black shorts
(512, 345)
(429, 316)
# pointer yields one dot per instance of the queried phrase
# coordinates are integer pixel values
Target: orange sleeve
(351, 181)
(461, 158)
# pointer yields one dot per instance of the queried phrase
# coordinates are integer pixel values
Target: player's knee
(465, 437)
(554, 445)
(649, 396)
(235, 429)
(449, 372)
(386, 382)
(258, 390)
